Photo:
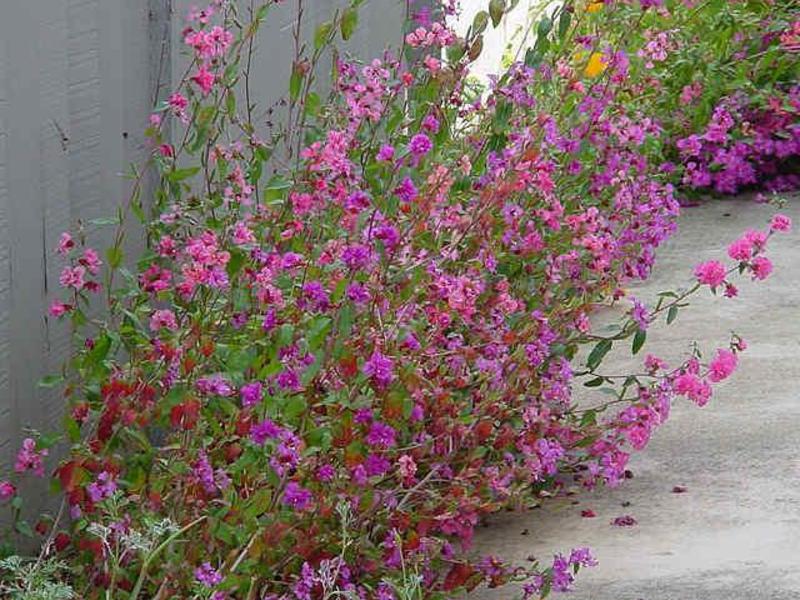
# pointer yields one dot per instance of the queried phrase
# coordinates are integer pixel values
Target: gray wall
(77, 83)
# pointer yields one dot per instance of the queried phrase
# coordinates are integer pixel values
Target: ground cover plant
(354, 334)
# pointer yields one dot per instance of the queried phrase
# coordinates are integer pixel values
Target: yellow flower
(596, 65)
(594, 7)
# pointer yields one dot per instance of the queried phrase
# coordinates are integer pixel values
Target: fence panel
(78, 79)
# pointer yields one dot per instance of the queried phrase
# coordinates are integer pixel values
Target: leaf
(230, 103)
(322, 34)
(545, 25)
(313, 104)
(49, 381)
(104, 221)
(480, 22)
(114, 255)
(638, 341)
(496, 10)
(235, 263)
(671, 314)
(596, 382)
(317, 332)
(295, 83)
(598, 353)
(98, 354)
(564, 23)
(349, 23)
(181, 174)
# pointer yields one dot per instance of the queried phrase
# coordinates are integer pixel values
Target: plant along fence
(355, 334)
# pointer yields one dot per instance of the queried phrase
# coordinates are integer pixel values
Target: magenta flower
(781, 223)
(741, 249)
(296, 497)
(380, 368)
(420, 145)
(711, 273)
(722, 366)
(251, 393)
(381, 435)
(204, 80)
(103, 487)
(386, 153)
(7, 490)
(761, 266)
(214, 385)
(207, 575)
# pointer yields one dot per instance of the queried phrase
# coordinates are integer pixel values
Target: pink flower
(73, 277)
(761, 266)
(757, 238)
(163, 319)
(204, 80)
(741, 249)
(711, 273)
(91, 261)
(780, 223)
(386, 153)
(65, 244)
(690, 385)
(7, 490)
(28, 459)
(722, 366)
(58, 309)
(243, 235)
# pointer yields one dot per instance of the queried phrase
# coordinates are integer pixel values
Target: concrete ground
(735, 533)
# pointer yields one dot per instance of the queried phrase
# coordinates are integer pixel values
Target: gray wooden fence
(77, 82)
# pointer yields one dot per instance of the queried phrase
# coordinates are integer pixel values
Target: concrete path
(735, 533)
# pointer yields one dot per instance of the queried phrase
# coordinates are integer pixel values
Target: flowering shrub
(721, 78)
(354, 335)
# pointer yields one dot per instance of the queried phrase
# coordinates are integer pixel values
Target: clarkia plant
(355, 334)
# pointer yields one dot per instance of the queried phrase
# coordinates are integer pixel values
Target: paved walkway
(735, 533)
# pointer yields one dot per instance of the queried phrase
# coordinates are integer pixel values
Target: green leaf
(638, 341)
(104, 221)
(480, 22)
(24, 528)
(181, 174)
(564, 23)
(596, 382)
(319, 329)
(258, 503)
(322, 34)
(496, 10)
(235, 263)
(295, 83)
(313, 104)
(49, 381)
(294, 407)
(230, 103)
(349, 23)
(98, 354)
(545, 25)
(671, 314)
(598, 353)
(114, 255)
